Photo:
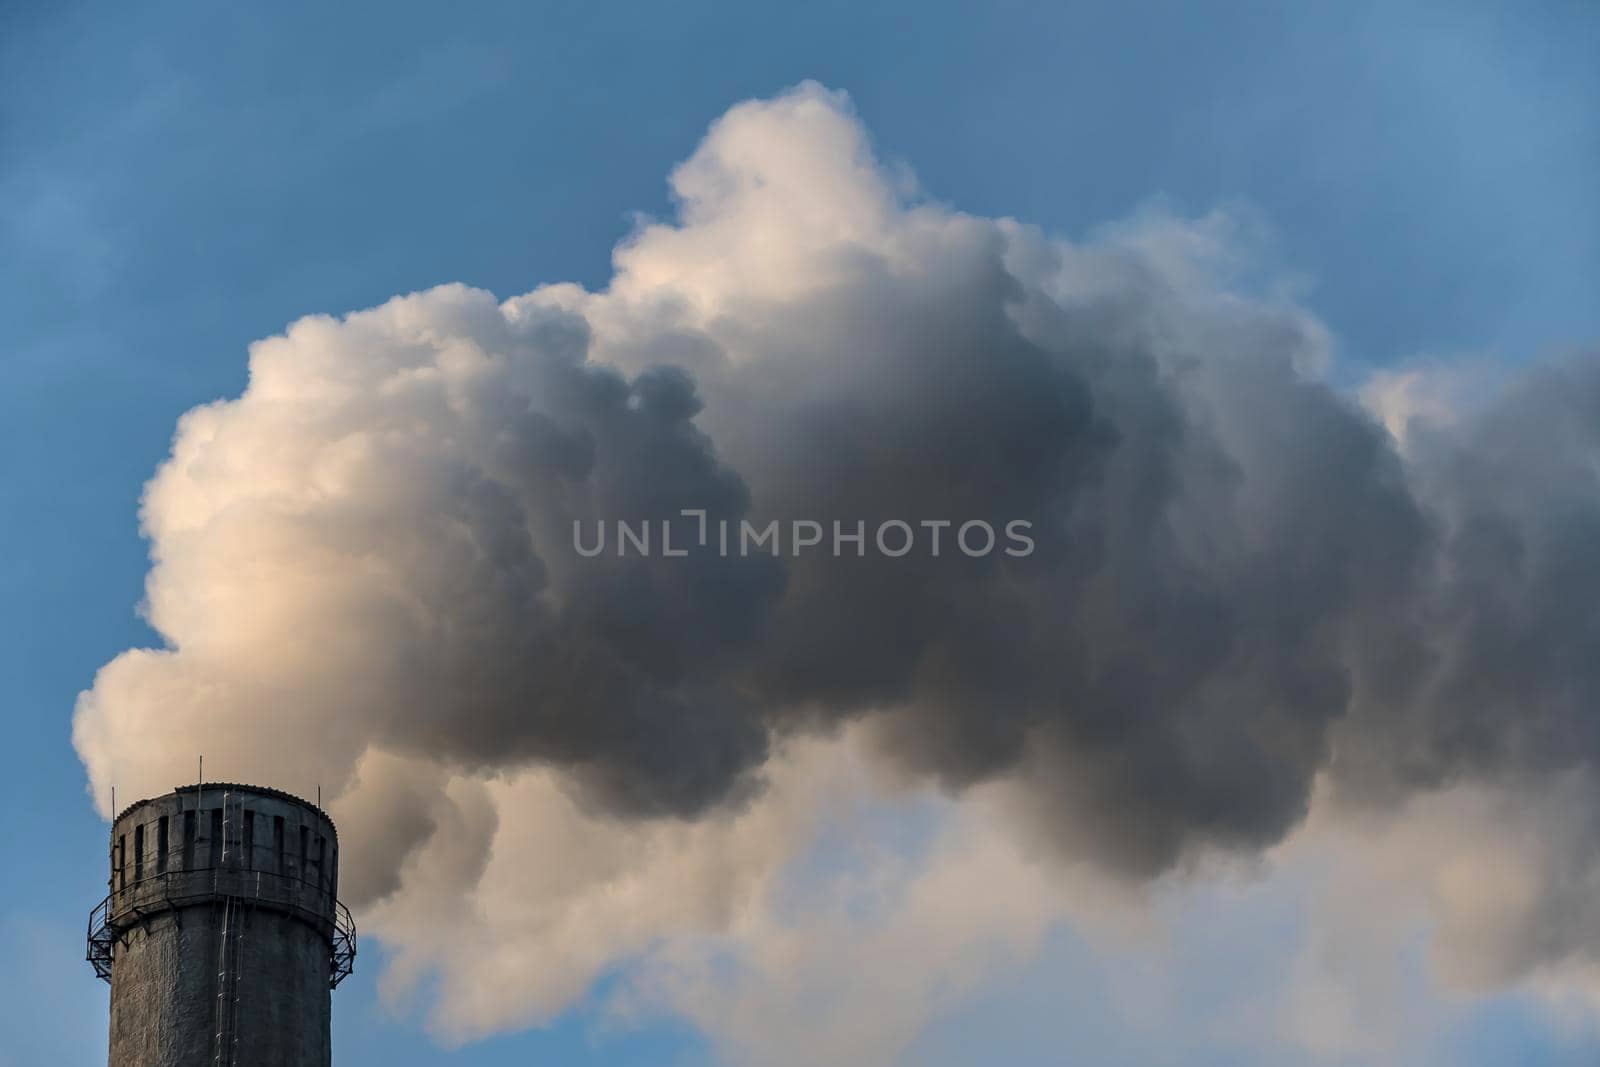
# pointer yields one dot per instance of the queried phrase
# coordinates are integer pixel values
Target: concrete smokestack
(222, 935)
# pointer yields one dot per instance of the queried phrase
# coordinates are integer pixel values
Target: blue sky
(177, 180)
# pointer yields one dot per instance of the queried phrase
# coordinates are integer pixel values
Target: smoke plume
(1245, 581)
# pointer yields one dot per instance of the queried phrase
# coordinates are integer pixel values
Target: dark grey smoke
(1497, 672)
(1232, 560)
(1222, 544)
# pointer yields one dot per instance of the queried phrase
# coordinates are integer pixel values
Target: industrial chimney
(222, 935)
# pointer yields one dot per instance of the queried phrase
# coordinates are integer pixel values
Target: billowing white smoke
(1243, 597)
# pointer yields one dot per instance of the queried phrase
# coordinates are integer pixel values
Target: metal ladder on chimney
(229, 947)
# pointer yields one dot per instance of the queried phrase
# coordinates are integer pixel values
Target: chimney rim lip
(259, 790)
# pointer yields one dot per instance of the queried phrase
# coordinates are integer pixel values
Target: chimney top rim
(259, 790)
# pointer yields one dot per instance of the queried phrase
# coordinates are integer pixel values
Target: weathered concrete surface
(164, 993)
(226, 929)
